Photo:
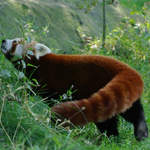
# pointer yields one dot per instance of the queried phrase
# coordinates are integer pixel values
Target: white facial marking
(41, 50)
(9, 44)
(19, 50)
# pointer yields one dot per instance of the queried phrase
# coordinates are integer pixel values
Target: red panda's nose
(3, 44)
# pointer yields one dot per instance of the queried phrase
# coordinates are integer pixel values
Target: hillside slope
(52, 22)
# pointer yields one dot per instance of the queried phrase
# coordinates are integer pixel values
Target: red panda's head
(18, 48)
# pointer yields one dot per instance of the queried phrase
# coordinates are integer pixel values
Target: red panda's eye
(14, 42)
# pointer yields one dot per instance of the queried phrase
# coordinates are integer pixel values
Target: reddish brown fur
(14, 44)
(105, 86)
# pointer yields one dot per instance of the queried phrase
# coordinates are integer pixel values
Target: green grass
(25, 120)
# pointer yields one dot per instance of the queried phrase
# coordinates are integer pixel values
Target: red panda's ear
(40, 50)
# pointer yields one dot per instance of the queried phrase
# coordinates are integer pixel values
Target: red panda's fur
(102, 86)
(106, 86)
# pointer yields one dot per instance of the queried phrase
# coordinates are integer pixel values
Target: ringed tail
(114, 98)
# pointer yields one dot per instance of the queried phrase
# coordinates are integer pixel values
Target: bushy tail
(116, 97)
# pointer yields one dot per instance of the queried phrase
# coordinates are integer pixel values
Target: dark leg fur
(110, 126)
(135, 115)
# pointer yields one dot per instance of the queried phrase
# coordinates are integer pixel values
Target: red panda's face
(18, 47)
(14, 47)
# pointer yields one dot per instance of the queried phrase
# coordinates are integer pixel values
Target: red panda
(105, 87)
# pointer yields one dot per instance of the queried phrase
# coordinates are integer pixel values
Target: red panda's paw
(141, 130)
(63, 114)
(72, 111)
(58, 119)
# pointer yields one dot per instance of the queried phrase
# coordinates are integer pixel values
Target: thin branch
(104, 24)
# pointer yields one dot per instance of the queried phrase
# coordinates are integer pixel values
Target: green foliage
(134, 4)
(130, 40)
